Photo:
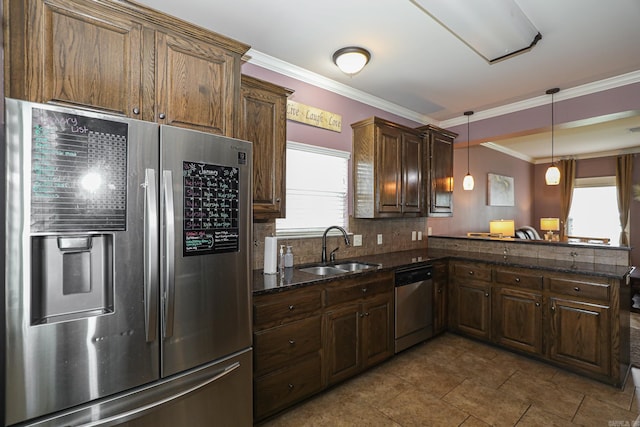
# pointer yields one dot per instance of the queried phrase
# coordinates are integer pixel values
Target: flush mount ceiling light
(552, 176)
(351, 60)
(495, 29)
(467, 182)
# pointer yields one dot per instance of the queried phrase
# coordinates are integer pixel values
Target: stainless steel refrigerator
(127, 280)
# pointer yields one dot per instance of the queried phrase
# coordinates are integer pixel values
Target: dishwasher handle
(413, 275)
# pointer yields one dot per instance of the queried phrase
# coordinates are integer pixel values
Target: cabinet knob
(537, 304)
(161, 116)
(364, 290)
(439, 290)
(291, 386)
(517, 280)
(136, 111)
(553, 308)
(470, 272)
(291, 307)
(486, 294)
(278, 200)
(366, 313)
(292, 342)
(577, 289)
(360, 315)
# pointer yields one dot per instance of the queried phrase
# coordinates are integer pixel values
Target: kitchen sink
(355, 266)
(341, 267)
(323, 270)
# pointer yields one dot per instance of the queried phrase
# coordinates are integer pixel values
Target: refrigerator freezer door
(205, 240)
(75, 294)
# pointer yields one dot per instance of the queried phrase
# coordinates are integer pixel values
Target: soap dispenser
(288, 258)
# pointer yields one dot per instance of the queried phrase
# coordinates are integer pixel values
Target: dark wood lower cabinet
(580, 335)
(474, 309)
(518, 320)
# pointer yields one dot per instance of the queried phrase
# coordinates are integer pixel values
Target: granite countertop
(294, 278)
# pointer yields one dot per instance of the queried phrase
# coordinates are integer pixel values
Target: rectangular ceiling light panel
(495, 29)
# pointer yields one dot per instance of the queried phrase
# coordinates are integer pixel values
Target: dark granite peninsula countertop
(294, 278)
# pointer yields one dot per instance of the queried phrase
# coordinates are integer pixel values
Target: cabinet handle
(364, 290)
(537, 304)
(553, 308)
(136, 111)
(291, 386)
(439, 290)
(278, 200)
(161, 116)
(486, 294)
(470, 272)
(577, 289)
(360, 314)
(292, 342)
(291, 307)
(517, 280)
(366, 313)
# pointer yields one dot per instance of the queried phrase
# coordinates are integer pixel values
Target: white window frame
(317, 231)
(598, 181)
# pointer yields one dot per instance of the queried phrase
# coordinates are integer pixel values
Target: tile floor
(453, 381)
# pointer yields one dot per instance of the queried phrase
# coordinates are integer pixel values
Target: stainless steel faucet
(324, 240)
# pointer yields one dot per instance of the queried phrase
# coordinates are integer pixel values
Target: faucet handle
(332, 255)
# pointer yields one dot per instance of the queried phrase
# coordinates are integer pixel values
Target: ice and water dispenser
(78, 204)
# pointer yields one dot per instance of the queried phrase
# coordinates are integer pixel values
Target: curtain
(567, 180)
(624, 172)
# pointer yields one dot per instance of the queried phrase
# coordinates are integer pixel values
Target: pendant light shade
(351, 60)
(552, 176)
(467, 182)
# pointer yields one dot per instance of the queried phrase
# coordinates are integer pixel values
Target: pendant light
(552, 176)
(468, 183)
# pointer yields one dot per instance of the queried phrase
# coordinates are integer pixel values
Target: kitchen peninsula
(570, 310)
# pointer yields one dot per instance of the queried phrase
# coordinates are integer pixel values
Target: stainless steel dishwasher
(414, 305)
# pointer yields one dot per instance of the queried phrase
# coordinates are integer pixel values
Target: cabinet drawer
(277, 346)
(472, 271)
(580, 289)
(284, 307)
(363, 287)
(521, 279)
(282, 388)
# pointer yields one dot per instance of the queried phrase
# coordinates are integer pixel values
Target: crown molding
(507, 151)
(270, 63)
(569, 93)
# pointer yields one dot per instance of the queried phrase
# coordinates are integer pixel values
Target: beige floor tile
(484, 371)
(536, 417)
(487, 404)
(593, 412)
(603, 392)
(546, 395)
(371, 388)
(525, 364)
(416, 409)
(473, 422)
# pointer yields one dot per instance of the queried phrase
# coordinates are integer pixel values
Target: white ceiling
(426, 72)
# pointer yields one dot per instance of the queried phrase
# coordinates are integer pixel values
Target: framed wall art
(500, 190)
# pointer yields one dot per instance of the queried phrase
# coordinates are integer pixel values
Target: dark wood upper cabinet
(388, 170)
(122, 58)
(263, 116)
(439, 167)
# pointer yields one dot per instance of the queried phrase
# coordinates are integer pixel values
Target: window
(316, 190)
(594, 209)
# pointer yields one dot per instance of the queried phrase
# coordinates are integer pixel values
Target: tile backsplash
(396, 236)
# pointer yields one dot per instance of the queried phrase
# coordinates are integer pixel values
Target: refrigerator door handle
(151, 254)
(169, 253)
(129, 414)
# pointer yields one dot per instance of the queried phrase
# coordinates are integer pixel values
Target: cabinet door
(377, 335)
(342, 348)
(389, 165)
(440, 174)
(473, 309)
(439, 298)
(263, 122)
(580, 335)
(75, 54)
(517, 317)
(196, 86)
(412, 187)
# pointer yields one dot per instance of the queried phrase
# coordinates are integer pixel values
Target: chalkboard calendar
(211, 208)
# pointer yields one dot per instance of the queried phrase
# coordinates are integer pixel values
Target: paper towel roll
(270, 255)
